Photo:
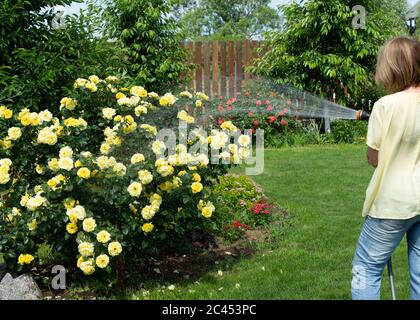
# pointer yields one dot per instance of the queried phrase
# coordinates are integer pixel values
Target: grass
(323, 187)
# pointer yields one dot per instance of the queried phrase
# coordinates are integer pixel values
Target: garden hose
(362, 115)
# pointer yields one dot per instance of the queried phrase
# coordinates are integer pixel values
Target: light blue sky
(76, 7)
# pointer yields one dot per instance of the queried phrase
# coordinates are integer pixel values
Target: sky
(76, 7)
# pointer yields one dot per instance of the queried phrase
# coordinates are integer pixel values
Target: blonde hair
(398, 66)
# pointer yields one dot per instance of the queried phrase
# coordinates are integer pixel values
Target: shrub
(84, 180)
(241, 206)
(348, 131)
(38, 62)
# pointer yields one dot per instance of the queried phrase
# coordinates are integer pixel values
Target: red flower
(259, 102)
(220, 121)
(251, 114)
(252, 131)
(270, 108)
(272, 119)
(281, 113)
(256, 123)
(283, 122)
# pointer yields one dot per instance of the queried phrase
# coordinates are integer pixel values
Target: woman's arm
(372, 157)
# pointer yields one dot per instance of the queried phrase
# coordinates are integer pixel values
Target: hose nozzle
(362, 115)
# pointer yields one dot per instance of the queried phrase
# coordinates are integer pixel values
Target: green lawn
(323, 187)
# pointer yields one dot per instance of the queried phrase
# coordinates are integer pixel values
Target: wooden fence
(221, 66)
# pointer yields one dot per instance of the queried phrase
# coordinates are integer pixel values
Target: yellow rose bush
(90, 176)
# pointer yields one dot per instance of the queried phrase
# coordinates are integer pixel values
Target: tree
(38, 62)
(321, 52)
(229, 19)
(151, 37)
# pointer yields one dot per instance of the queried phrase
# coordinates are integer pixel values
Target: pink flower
(267, 102)
(283, 122)
(259, 102)
(286, 110)
(256, 123)
(272, 119)
(281, 113)
(229, 102)
(220, 121)
(220, 107)
(234, 99)
(251, 114)
(270, 108)
(229, 108)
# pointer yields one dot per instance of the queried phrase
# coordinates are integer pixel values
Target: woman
(392, 204)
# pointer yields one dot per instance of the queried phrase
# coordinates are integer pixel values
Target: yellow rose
(87, 267)
(167, 100)
(95, 79)
(7, 114)
(138, 91)
(32, 225)
(108, 113)
(25, 259)
(119, 95)
(72, 228)
(89, 224)
(14, 133)
(134, 189)
(86, 249)
(196, 177)
(47, 136)
(66, 152)
(66, 163)
(147, 227)
(83, 173)
(91, 87)
(78, 211)
(145, 176)
(114, 248)
(181, 173)
(207, 212)
(136, 158)
(102, 261)
(196, 187)
(103, 236)
(198, 103)
(53, 164)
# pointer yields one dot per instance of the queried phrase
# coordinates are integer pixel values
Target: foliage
(84, 180)
(343, 131)
(151, 37)
(241, 206)
(236, 19)
(321, 52)
(35, 56)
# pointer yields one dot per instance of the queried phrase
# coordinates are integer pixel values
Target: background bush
(38, 62)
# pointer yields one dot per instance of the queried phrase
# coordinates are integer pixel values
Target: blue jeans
(377, 242)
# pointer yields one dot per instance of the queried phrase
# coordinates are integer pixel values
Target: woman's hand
(372, 157)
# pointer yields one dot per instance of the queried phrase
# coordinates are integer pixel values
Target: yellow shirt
(394, 130)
